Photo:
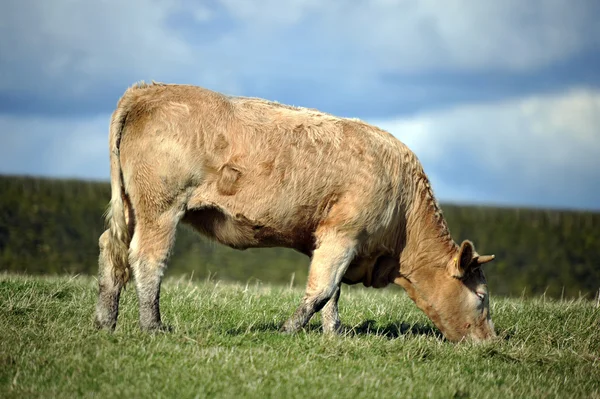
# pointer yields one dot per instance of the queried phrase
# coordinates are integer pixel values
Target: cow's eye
(481, 295)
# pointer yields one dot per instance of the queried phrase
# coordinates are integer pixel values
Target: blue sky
(499, 99)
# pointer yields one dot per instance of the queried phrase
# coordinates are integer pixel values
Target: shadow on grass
(368, 327)
(392, 330)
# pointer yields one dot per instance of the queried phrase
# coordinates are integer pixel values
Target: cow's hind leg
(329, 263)
(330, 314)
(150, 247)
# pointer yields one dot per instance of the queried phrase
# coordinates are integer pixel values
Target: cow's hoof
(289, 329)
(156, 328)
(107, 324)
(332, 329)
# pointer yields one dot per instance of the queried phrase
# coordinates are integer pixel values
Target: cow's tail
(120, 224)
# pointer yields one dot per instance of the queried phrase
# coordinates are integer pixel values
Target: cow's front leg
(329, 263)
(330, 315)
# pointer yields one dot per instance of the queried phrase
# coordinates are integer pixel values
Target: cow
(251, 173)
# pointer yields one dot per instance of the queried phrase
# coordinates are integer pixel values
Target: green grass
(225, 343)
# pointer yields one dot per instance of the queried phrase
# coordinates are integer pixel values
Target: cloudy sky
(499, 99)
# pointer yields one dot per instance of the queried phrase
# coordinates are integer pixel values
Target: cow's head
(454, 294)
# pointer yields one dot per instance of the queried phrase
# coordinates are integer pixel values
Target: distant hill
(50, 226)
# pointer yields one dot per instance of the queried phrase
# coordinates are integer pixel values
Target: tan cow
(253, 173)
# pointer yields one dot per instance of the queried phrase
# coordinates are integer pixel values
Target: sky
(500, 100)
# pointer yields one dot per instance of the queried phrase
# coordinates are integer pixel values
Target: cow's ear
(463, 260)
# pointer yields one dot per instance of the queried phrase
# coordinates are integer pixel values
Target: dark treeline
(52, 226)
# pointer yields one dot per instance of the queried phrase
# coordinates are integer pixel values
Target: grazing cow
(253, 173)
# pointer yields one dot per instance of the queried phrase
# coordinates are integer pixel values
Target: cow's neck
(428, 241)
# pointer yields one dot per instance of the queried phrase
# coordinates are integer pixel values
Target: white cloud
(543, 149)
(272, 13)
(81, 43)
(427, 35)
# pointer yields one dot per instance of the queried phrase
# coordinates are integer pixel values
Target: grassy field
(225, 344)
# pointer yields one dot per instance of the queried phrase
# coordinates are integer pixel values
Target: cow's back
(280, 167)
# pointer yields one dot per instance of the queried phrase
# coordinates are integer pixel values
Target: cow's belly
(239, 232)
(375, 272)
